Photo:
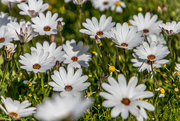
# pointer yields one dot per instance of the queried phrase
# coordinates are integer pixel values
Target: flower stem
(119, 65)
(154, 86)
(4, 73)
(170, 48)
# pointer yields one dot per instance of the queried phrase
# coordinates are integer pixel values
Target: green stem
(119, 65)
(4, 73)
(154, 81)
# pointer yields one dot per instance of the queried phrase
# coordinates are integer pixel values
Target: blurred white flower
(16, 109)
(124, 98)
(29, 83)
(126, 37)
(151, 52)
(37, 61)
(177, 70)
(162, 91)
(9, 50)
(148, 24)
(66, 1)
(5, 36)
(158, 38)
(76, 55)
(99, 29)
(79, 2)
(11, 3)
(64, 108)
(118, 5)
(33, 8)
(4, 19)
(69, 82)
(170, 28)
(45, 25)
(102, 4)
(22, 31)
(57, 53)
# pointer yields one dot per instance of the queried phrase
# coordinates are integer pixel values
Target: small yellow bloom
(30, 95)
(90, 75)
(94, 52)
(100, 44)
(30, 84)
(140, 9)
(112, 68)
(178, 73)
(88, 94)
(45, 85)
(162, 91)
(176, 89)
(146, 100)
(164, 65)
(50, 7)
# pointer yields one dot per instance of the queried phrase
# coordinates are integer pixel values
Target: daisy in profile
(118, 5)
(69, 82)
(37, 61)
(33, 8)
(5, 36)
(64, 108)
(126, 37)
(15, 109)
(9, 50)
(151, 52)
(98, 29)
(57, 53)
(157, 38)
(124, 97)
(45, 25)
(76, 55)
(177, 70)
(102, 5)
(21, 31)
(148, 24)
(170, 28)
(79, 2)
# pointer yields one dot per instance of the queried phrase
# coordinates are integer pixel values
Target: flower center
(118, 3)
(149, 62)
(106, 3)
(74, 59)
(13, 114)
(47, 28)
(178, 73)
(112, 68)
(36, 66)
(151, 57)
(68, 88)
(100, 33)
(126, 101)
(2, 40)
(124, 45)
(145, 31)
(162, 91)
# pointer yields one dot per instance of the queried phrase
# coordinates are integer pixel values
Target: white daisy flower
(79, 2)
(124, 97)
(151, 52)
(76, 55)
(57, 53)
(66, 1)
(146, 64)
(71, 82)
(148, 24)
(33, 8)
(126, 37)
(10, 3)
(16, 109)
(99, 29)
(37, 61)
(170, 28)
(22, 31)
(4, 19)
(62, 108)
(118, 5)
(102, 4)
(158, 38)
(45, 25)
(5, 36)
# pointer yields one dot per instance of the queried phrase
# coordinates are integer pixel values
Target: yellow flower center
(112, 68)
(178, 73)
(2, 40)
(118, 3)
(88, 94)
(30, 95)
(30, 84)
(176, 90)
(47, 28)
(162, 91)
(93, 52)
(36, 66)
(126, 101)
(13, 114)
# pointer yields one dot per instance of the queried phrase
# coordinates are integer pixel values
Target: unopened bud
(53, 38)
(159, 10)
(164, 8)
(60, 26)
(9, 50)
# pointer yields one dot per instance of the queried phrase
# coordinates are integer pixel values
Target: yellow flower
(112, 68)
(162, 91)
(118, 3)
(30, 95)
(88, 94)
(178, 73)
(164, 65)
(176, 89)
(94, 52)
(45, 85)
(90, 75)
(140, 9)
